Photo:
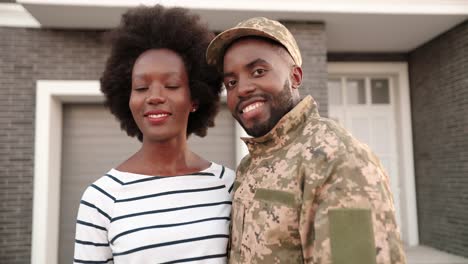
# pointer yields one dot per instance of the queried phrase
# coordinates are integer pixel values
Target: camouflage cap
(257, 26)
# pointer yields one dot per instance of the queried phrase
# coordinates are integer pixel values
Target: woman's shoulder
(219, 170)
(106, 186)
(222, 172)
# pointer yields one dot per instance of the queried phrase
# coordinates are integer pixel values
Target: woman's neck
(163, 158)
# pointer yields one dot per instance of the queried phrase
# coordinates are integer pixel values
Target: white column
(241, 148)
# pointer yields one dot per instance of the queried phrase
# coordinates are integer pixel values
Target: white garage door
(93, 143)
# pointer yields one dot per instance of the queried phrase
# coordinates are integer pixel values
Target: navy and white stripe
(132, 218)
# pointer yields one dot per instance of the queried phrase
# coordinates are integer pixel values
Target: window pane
(356, 91)
(380, 91)
(335, 96)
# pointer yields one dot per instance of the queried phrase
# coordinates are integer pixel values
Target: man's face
(258, 77)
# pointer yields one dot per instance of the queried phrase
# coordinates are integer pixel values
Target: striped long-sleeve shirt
(132, 218)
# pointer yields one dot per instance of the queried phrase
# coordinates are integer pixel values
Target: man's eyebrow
(248, 66)
(255, 62)
(227, 74)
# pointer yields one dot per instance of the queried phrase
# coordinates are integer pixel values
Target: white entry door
(365, 106)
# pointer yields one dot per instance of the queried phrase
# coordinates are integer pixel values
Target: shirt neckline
(209, 169)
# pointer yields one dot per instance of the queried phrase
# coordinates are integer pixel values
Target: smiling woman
(160, 98)
(165, 203)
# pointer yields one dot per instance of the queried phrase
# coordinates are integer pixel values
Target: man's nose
(245, 87)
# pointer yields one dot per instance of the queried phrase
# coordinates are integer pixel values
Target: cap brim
(217, 47)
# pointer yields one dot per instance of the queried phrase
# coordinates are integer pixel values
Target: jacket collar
(285, 131)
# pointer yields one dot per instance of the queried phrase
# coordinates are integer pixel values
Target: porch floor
(427, 255)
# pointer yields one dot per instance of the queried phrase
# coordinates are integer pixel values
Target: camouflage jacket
(292, 177)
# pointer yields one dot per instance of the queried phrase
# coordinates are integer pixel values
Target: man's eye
(229, 84)
(259, 72)
(172, 86)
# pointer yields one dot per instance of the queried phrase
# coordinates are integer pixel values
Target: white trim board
(15, 15)
(409, 228)
(339, 6)
(241, 148)
(50, 95)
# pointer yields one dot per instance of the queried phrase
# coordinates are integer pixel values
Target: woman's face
(160, 99)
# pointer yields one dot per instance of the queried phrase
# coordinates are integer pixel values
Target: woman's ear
(296, 77)
(194, 106)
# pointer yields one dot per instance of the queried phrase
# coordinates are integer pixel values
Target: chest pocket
(275, 209)
(275, 196)
(277, 216)
(266, 224)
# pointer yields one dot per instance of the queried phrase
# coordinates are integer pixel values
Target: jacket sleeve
(352, 179)
(91, 239)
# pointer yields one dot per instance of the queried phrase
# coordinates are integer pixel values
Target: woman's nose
(156, 95)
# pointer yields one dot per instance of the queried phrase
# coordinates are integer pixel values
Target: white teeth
(158, 115)
(252, 107)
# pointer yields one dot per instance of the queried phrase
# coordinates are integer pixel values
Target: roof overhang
(351, 25)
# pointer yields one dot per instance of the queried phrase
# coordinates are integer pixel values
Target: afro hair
(145, 28)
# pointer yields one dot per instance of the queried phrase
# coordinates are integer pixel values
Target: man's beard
(281, 104)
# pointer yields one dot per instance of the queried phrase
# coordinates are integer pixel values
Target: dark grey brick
(312, 42)
(28, 55)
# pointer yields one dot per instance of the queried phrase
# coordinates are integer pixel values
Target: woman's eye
(172, 86)
(141, 88)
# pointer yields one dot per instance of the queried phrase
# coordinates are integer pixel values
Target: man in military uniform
(301, 167)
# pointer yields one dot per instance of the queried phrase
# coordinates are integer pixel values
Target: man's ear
(296, 77)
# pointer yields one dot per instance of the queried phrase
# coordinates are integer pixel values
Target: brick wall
(312, 42)
(439, 97)
(27, 55)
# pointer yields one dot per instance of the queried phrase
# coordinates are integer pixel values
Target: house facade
(394, 74)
